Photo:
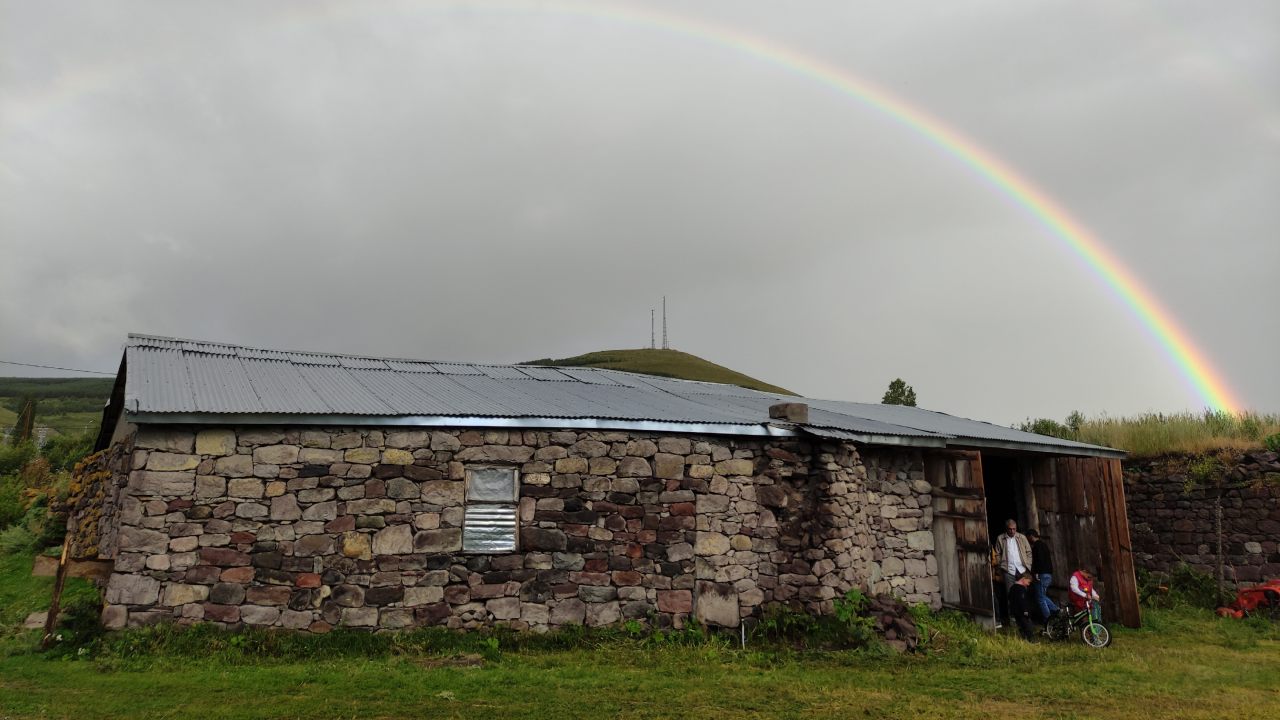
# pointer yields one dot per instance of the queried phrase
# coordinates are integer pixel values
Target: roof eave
(1038, 448)
(527, 423)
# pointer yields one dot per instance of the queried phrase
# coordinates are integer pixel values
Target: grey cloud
(443, 182)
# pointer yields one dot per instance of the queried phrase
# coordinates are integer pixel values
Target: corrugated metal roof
(588, 375)
(545, 373)
(938, 423)
(282, 384)
(156, 381)
(167, 376)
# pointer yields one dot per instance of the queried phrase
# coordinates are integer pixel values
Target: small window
(489, 525)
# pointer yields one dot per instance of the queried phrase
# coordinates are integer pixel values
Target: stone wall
(312, 528)
(901, 517)
(93, 502)
(1172, 515)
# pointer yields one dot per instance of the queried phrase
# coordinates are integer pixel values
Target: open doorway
(1006, 493)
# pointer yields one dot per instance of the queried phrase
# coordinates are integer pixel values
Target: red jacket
(1079, 601)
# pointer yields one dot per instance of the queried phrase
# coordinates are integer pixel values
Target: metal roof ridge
(295, 352)
(145, 336)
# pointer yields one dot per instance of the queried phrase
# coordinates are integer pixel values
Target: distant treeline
(56, 396)
(55, 406)
(41, 388)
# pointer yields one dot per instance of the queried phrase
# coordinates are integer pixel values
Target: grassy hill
(663, 363)
(68, 405)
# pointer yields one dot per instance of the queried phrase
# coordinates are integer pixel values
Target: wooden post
(1217, 527)
(51, 620)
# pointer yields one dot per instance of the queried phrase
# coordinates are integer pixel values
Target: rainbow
(1192, 363)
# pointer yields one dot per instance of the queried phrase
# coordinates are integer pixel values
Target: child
(1082, 593)
(1020, 604)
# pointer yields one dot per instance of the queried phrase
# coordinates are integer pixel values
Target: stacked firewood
(893, 621)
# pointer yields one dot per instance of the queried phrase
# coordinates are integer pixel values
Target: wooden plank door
(1107, 485)
(961, 544)
(1084, 518)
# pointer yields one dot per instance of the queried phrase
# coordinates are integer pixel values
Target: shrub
(1272, 443)
(37, 529)
(1046, 426)
(857, 629)
(13, 458)
(64, 451)
(848, 626)
(17, 539)
(1203, 471)
(781, 622)
(12, 506)
(1183, 586)
(79, 627)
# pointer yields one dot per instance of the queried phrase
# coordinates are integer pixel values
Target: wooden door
(961, 545)
(1118, 576)
(1084, 519)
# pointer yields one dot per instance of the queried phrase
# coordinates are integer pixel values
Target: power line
(54, 367)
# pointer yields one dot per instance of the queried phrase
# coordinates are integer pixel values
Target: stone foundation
(314, 528)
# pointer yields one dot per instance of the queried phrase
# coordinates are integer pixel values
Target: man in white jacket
(1013, 553)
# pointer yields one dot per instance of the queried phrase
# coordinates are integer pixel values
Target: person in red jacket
(1082, 593)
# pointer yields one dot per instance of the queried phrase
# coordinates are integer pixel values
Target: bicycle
(1064, 623)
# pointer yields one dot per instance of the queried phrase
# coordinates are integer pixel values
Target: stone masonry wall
(901, 516)
(312, 528)
(1172, 515)
(94, 500)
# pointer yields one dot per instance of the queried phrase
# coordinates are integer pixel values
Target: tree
(899, 393)
(1046, 426)
(26, 423)
(1070, 430)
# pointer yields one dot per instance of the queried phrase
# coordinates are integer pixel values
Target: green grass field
(664, 363)
(1192, 666)
(1183, 664)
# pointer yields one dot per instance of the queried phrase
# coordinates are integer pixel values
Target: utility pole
(653, 343)
(665, 345)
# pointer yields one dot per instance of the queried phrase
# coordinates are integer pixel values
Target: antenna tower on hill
(652, 342)
(665, 345)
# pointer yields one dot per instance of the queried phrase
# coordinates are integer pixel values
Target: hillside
(663, 363)
(68, 405)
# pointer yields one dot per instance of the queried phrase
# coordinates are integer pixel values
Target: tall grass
(1159, 434)
(1163, 434)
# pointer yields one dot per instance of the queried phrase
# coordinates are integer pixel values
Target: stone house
(304, 490)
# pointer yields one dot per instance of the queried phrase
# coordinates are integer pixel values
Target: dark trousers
(1020, 610)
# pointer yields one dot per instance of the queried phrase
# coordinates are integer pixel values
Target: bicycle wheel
(1058, 628)
(1095, 635)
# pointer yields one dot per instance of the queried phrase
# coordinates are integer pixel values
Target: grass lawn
(1184, 664)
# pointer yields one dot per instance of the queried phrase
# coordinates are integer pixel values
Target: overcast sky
(503, 182)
